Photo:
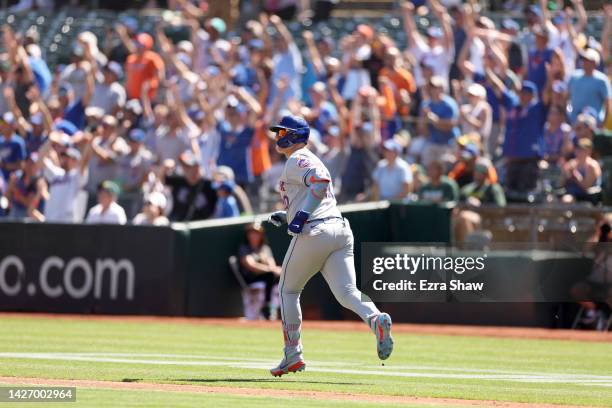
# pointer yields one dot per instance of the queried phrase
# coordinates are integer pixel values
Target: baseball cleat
(384, 341)
(292, 365)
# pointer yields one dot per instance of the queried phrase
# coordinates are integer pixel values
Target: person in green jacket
(440, 188)
(481, 191)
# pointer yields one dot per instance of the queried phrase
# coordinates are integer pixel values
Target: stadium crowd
(139, 128)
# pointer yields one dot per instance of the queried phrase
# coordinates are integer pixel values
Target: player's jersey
(301, 167)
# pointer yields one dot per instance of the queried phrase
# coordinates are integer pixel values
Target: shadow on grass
(240, 380)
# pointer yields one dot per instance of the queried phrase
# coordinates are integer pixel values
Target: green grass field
(475, 368)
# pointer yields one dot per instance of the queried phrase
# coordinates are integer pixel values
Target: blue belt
(323, 219)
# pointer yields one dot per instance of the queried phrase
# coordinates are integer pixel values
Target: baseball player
(322, 241)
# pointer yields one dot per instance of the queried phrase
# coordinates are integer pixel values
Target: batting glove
(278, 218)
(297, 224)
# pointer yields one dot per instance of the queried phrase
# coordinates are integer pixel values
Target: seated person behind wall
(153, 211)
(257, 264)
(594, 293)
(439, 188)
(582, 174)
(480, 191)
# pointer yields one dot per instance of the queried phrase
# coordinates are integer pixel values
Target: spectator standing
(236, 131)
(119, 39)
(107, 148)
(66, 174)
(26, 191)
(393, 176)
(109, 94)
(357, 51)
(39, 67)
(72, 108)
(525, 119)
(539, 57)
(477, 116)
(12, 146)
(40, 124)
(590, 88)
(365, 137)
(143, 66)
(74, 75)
(440, 117)
(286, 63)
(107, 211)
(5, 83)
(179, 132)
(401, 79)
(438, 50)
(133, 171)
(193, 197)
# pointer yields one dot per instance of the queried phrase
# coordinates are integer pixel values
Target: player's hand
(278, 218)
(297, 224)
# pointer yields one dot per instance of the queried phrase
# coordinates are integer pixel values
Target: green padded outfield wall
(213, 291)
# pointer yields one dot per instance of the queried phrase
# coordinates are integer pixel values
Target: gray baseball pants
(327, 247)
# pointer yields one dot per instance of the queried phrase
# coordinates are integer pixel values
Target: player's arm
(317, 183)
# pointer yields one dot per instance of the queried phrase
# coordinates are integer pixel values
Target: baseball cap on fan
(157, 199)
(145, 41)
(110, 187)
(8, 118)
(136, 135)
(437, 81)
(115, 68)
(435, 32)
(591, 55)
(218, 24)
(477, 90)
(392, 146)
(510, 25)
(529, 86)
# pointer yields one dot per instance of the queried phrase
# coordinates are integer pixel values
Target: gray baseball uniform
(325, 244)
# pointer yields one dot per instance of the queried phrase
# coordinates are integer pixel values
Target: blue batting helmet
(296, 131)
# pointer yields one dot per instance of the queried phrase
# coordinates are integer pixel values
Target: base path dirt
(316, 395)
(450, 330)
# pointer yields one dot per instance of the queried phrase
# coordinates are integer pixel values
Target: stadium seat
(253, 295)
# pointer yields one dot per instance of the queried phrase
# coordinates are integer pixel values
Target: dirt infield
(316, 395)
(486, 331)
